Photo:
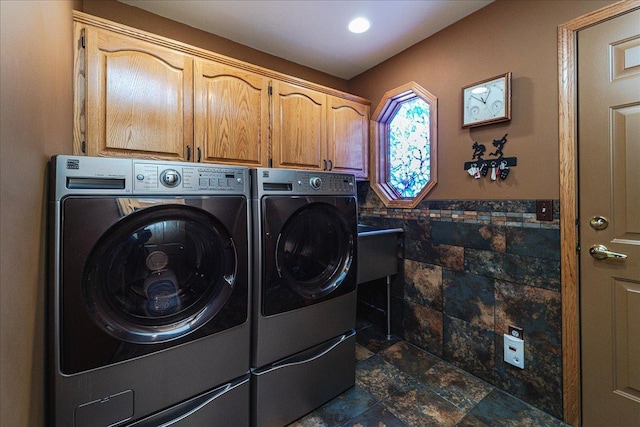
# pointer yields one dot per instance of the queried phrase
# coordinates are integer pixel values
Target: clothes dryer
(305, 234)
(149, 293)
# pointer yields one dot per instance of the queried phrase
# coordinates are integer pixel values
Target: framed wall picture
(487, 101)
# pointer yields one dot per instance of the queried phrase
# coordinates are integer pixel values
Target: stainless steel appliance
(305, 234)
(149, 293)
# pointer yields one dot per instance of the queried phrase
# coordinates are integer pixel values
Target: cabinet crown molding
(97, 22)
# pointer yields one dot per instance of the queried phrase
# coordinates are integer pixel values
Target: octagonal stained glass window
(405, 146)
(409, 149)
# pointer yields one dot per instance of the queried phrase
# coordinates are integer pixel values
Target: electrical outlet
(514, 351)
(544, 210)
(517, 332)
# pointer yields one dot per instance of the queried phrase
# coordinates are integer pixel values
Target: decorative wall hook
(499, 166)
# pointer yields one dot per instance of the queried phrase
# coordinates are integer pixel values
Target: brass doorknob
(602, 252)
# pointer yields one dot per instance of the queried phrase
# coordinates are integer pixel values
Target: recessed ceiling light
(359, 25)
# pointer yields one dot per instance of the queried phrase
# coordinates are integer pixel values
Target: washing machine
(305, 234)
(149, 293)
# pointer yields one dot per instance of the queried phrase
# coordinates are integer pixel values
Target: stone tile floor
(398, 384)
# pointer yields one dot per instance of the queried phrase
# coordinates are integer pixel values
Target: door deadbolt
(599, 223)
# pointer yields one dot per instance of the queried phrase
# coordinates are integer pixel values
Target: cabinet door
(348, 140)
(299, 127)
(138, 98)
(231, 115)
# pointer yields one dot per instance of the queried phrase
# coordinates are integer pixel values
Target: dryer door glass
(159, 274)
(314, 251)
(309, 252)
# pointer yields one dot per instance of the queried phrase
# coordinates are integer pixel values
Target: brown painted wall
(507, 35)
(143, 20)
(35, 123)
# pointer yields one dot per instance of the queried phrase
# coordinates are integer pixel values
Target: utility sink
(377, 258)
(377, 248)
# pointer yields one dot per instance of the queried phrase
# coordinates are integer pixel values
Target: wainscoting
(467, 270)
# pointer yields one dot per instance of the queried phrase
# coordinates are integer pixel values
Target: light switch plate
(544, 210)
(514, 351)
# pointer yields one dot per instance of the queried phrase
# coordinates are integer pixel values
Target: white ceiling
(314, 33)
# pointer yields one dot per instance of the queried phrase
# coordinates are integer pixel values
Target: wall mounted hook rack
(511, 161)
(480, 149)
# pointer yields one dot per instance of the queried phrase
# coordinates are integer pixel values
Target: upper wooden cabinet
(231, 117)
(348, 127)
(312, 130)
(138, 97)
(137, 94)
(299, 127)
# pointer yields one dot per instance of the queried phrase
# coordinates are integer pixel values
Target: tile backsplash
(467, 270)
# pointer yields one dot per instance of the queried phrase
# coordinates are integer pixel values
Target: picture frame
(487, 101)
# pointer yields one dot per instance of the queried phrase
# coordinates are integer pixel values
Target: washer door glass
(159, 274)
(314, 251)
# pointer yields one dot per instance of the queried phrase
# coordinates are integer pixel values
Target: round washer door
(314, 251)
(159, 274)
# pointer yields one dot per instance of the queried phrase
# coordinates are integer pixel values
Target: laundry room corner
(36, 116)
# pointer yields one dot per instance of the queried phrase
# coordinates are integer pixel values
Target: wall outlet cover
(514, 351)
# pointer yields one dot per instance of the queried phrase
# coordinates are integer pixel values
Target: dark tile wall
(468, 270)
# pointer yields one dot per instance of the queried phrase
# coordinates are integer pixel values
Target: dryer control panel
(299, 182)
(310, 182)
(162, 178)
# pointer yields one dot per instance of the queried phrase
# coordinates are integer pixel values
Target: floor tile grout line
(440, 360)
(427, 387)
(407, 386)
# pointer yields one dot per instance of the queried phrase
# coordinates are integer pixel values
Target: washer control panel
(73, 175)
(315, 182)
(166, 178)
(170, 178)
